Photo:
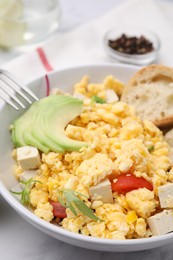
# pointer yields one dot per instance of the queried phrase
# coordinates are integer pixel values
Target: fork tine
(28, 91)
(12, 84)
(12, 96)
(5, 80)
(8, 101)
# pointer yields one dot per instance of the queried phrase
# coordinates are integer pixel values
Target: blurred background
(71, 14)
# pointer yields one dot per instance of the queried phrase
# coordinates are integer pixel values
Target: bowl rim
(28, 215)
(32, 218)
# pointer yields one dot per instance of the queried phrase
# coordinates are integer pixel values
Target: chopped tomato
(58, 210)
(128, 182)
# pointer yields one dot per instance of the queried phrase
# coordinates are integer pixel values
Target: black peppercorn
(131, 45)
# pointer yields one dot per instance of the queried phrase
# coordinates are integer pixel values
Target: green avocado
(43, 124)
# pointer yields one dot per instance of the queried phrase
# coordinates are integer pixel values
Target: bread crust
(148, 74)
(164, 122)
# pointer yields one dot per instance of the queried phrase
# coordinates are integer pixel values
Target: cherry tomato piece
(129, 182)
(58, 210)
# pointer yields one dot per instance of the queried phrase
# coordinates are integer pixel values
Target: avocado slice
(31, 140)
(42, 125)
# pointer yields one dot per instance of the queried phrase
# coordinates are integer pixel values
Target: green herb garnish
(96, 99)
(25, 199)
(69, 199)
(151, 148)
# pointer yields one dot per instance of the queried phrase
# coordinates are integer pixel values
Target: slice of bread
(150, 91)
(169, 139)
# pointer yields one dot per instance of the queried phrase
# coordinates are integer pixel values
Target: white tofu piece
(111, 96)
(56, 91)
(161, 223)
(79, 96)
(102, 191)
(28, 157)
(165, 193)
(26, 175)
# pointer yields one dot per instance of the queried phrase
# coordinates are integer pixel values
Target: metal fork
(10, 86)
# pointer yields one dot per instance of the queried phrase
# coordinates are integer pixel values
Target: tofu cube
(165, 193)
(28, 157)
(102, 191)
(111, 96)
(56, 91)
(26, 175)
(79, 96)
(161, 223)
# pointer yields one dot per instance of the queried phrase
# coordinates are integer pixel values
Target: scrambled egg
(118, 142)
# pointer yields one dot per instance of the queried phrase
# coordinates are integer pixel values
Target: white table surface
(18, 239)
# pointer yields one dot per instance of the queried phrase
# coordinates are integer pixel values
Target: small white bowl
(65, 79)
(136, 59)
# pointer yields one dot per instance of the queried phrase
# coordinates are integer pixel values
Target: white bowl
(65, 80)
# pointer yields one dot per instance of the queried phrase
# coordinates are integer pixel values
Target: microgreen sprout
(151, 148)
(96, 99)
(25, 198)
(70, 199)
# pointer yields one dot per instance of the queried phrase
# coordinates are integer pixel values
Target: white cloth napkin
(84, 45)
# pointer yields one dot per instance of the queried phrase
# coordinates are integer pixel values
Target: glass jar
(25, 22)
